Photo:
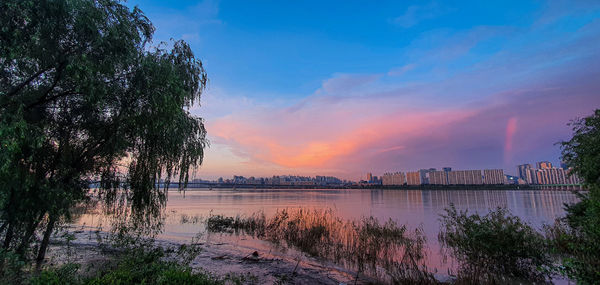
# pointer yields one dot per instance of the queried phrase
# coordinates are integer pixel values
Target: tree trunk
(27, 237)
(46, 239)
(9, 236)
(3, 227)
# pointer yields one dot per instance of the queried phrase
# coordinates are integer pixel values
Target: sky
(344, 88)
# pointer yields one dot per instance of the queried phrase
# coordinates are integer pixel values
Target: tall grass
(385, 251)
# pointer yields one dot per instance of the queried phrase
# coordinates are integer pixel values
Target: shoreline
(550, 188)
(216, 258)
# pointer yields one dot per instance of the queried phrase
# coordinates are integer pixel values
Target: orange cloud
(321, 136)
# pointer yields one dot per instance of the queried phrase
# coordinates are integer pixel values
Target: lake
(414, 208)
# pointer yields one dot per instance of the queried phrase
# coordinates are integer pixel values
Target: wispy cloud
(507, 107)
(416, 14)
(186, 24)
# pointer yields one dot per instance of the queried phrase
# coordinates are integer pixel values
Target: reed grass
(386, 251)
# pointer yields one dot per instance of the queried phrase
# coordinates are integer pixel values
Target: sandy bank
(220, 255)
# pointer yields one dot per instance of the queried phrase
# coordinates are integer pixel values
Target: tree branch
(26, 82)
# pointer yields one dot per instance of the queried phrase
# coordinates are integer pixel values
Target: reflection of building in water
(376, 197)
(403, 205)
(413, 200)
(546, 205)
(465, 199)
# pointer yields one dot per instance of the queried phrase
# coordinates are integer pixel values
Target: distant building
(369, 177)
(465, 177)
(544, 165)
(493, 176)
(546, 176)
(424, 175)
(523, 171)
(398, 178)
(413, 178)
(438, 177)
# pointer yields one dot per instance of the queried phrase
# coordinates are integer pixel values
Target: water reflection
(414, 208)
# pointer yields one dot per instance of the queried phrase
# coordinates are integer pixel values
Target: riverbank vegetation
(576, 237)
(137, 263)
(495, 248)
(368, 246)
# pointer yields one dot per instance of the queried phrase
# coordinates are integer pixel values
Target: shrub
(576, 239)
(137, 266)
(66, 274)
(11, 267)
(494, 248)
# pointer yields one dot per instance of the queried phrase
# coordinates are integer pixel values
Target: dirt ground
(220, 257)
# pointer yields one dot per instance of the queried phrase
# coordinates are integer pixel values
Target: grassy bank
(141, 262)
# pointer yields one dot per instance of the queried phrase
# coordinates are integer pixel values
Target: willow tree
(84, 95)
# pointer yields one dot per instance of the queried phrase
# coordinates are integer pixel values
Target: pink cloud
(387, 133)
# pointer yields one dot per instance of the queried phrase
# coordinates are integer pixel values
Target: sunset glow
(387, 86)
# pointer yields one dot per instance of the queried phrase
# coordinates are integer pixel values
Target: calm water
(414, 208)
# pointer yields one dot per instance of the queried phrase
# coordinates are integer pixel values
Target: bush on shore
(494, 248)
(576, 240)
(136, 266)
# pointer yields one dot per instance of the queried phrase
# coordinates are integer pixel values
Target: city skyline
(542, 172)
(327, 89)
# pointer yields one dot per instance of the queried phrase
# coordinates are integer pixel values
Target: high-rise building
(423, 176)
(544, 165)
(446, 171)
(369, 177)
(398, 178)
(465, 177)
(438, 178)
(547, 176)
(413, 178)
(493, 176)
(523, 171)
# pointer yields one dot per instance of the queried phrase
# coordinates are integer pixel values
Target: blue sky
(276, 46)
(295, 86)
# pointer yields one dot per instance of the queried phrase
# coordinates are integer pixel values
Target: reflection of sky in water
(414, 208)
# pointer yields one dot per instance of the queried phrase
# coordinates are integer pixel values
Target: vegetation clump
(576, 237)
(138, 266)
(494, 248)
(368, 245)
